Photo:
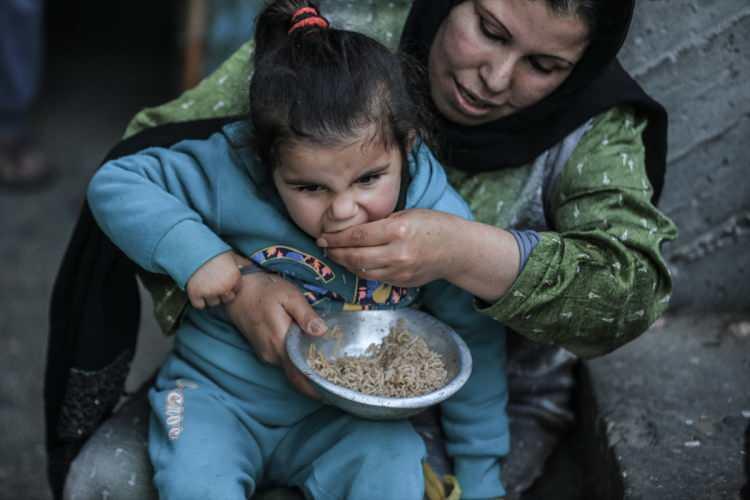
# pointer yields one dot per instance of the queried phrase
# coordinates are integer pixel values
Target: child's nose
(344, 207)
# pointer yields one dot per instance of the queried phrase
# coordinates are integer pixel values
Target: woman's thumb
(316, 326)
(304, 315)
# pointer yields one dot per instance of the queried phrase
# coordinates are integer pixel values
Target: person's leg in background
(21, 45)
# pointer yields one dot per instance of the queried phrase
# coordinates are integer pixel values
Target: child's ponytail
(273, 24)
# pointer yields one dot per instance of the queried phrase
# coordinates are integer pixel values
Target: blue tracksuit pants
(204, 443)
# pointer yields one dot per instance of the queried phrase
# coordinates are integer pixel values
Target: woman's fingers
(304, 315)
(367, 258)
(274, 329)
(279, 324)
(364, 235)
(385, 274)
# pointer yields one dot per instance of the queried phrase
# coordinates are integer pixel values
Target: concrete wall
(694, 56)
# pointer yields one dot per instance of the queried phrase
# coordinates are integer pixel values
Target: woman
(542, 131)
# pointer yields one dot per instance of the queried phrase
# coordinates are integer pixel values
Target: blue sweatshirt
(172, 210)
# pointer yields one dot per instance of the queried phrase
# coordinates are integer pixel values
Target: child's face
(329, 188)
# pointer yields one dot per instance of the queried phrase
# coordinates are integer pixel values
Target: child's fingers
(213, 300)
(228, 297)
(197, 302)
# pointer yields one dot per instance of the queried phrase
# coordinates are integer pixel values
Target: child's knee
(371, 460)
(395, 443)
(392, 463)
(390, 449)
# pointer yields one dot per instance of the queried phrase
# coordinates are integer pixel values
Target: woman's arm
(484, 244)
(416, 246)
(594, 283)
(599, 280)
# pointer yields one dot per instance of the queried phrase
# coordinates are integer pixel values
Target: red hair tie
(311, 18)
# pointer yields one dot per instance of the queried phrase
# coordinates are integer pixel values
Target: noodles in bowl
(401, 366)
(382, 364)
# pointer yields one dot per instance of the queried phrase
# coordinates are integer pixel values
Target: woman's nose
(497, 74)
(343, 207)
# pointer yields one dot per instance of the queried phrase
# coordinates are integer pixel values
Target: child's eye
(309, 188)
(369, 178)
(487, 31)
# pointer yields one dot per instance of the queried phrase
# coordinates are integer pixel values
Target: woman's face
(492, 58)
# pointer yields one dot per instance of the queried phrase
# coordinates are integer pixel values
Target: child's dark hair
(325, 86)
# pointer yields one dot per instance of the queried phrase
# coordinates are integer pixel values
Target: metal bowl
(361, 329)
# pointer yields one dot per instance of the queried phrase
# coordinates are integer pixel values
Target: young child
(333, 140)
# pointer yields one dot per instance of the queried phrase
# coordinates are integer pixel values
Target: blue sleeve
(160, 206)
(429, 187)
(527, 240)
(474, 419)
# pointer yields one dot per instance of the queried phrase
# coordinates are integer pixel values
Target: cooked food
(401, 366)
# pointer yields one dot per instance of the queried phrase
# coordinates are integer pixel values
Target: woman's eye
(539, 67)
(369, 179)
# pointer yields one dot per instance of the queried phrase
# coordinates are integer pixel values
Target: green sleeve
(599, 279)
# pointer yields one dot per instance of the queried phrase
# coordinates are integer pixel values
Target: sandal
(22, 166)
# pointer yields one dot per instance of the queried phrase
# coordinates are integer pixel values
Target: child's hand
(214, 282)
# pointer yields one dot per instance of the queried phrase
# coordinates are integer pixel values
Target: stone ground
(669, 409)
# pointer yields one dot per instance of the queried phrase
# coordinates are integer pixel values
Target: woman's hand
(417, 246)
(409, 248)
(265, 307)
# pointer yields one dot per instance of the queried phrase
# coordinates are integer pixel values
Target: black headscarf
(597, 83)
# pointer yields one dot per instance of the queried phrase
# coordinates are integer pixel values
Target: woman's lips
(468, 103)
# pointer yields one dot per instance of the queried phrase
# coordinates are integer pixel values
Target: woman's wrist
(484, 260)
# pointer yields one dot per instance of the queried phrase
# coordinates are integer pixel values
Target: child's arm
(160, 207)
(474, 419)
